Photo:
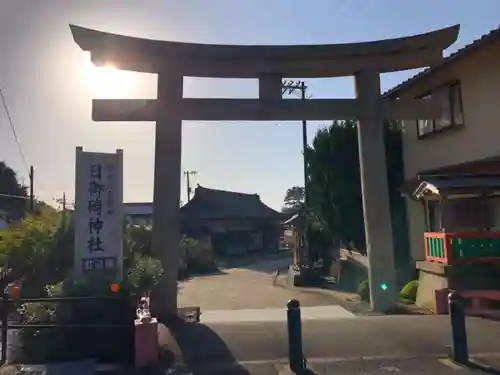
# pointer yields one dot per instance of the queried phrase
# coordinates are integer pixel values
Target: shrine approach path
(250, 287)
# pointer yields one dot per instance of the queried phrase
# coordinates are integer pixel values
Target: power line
(14, 196)
(13, 128)
(18, 142)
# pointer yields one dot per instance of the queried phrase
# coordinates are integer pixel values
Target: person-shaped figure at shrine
(143, 312)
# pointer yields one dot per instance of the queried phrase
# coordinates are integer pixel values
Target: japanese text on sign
(100, 263)
(94, 207)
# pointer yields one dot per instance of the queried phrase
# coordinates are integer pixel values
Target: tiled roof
(493, 35)
(214, 204)
(487, 166)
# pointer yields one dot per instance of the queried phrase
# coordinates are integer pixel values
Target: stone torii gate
(269, 64)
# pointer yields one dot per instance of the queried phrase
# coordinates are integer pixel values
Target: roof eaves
(462, 52)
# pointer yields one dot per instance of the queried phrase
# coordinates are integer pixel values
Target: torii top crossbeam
(267, 63)
(305, 61)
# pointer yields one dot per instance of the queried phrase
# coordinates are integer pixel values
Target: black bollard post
(459, 349)
(295, 354)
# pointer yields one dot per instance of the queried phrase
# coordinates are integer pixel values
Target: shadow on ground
(198, 347)
(484, 366)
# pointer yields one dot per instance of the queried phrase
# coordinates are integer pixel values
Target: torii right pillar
(375, 192)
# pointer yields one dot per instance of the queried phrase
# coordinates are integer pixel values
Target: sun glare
(108, 82)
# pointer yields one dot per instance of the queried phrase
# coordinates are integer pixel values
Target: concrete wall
(478, 138)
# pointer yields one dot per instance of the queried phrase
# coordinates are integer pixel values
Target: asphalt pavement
(406, 366)
(342, 346)
(243, 331)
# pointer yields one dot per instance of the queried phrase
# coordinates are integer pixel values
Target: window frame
(453, 124)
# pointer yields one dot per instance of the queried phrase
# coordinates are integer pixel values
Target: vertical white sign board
(98, 212)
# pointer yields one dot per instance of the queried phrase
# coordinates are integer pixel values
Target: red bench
(479, 299)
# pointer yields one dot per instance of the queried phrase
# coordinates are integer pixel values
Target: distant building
(233, 223)
(139, 213)
(236, 223)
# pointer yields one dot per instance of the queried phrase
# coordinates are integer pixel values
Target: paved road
(407, 344)
(246, 288)
(377, 366)
(373, 336)
(245, 332)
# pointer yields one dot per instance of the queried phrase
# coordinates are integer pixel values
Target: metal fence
(81, 325)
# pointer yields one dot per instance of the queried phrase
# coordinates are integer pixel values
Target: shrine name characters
(96, 224)
(94, 207)
(110, 180)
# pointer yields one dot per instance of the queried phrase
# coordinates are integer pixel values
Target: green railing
(436, 247)
(452, 248)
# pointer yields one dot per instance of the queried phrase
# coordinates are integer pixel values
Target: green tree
(144, 273)
(334, 180)
(9, 185)
(335, 185)
(27, 251)
(137, 240)
(294, 198)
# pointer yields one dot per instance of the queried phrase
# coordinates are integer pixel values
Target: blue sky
(49, 84)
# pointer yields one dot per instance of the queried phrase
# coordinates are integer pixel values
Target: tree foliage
(137, 240)
(144, 273)
(34, 249)
(294, 198)
(334, 178)
(9, 185)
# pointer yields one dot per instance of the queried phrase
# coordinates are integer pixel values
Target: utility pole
(291, 87)
(188, 175)
(32, 196)
(64, 207)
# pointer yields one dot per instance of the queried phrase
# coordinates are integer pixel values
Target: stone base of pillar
(146, 343)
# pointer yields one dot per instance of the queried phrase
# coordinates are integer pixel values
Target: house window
(456, 104)
(425, 127)
(452, 114)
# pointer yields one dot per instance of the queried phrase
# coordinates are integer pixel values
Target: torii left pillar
(167, 190)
